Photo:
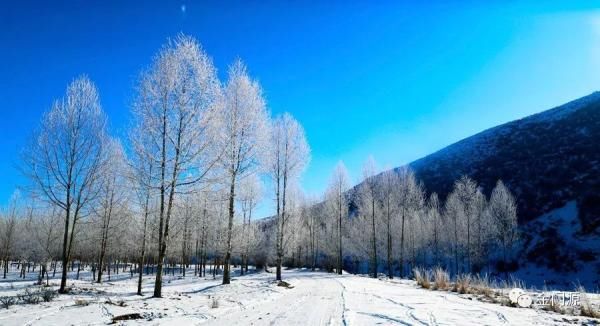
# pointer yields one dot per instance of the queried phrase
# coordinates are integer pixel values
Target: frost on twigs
(7, 301)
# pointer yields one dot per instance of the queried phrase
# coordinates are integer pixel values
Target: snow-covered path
(315, 299)
(328, 299)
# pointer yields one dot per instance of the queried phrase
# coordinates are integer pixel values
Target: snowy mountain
(551, 162)
(546, 159)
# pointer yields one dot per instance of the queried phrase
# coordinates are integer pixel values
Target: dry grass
(462, 284)
(441, 279)
(587, 309)
(423, 277)
(490, 291)
(480, 284)
(553, 305)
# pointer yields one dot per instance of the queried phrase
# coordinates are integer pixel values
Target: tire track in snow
(344, 322)
(498, 314)
(287, 312)
(384, 317)
(410, 310)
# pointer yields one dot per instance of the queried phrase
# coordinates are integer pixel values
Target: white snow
(568, 227)
(316, 298)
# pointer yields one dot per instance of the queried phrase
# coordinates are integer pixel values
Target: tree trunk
(389, 243)
(374, 239)
(402, 245)
(339, 263)
(226, 267)
(65, 260)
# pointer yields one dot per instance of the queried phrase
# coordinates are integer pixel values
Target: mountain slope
(546, 159)
(551, 163)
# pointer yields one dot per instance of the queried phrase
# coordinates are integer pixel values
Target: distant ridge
(547, 160)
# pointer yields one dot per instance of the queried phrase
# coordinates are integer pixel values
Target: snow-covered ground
(316, 299)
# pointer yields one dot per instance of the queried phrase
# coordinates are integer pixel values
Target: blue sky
(393, 80)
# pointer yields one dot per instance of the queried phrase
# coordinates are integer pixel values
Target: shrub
(441, 280)
(7, 301)
(30, 296)
(48, 294)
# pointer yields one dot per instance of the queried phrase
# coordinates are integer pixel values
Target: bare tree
(65, 158)
(369, 192)
(173, 116)
(435, 220)
(112, 196)
(338, 206)
(503, 211)
(411, 197)
(8, 230)
(250, 195)
(243, 130)
(289, 156)
(390, 184)
(142, 176)
(47, 237)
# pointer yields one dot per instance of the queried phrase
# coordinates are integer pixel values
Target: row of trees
(195, 147)
(388, 222)
(182, 190)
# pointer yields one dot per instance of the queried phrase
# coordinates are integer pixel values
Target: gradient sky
(393, 80)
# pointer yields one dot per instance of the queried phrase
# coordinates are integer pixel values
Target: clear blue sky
(397, 81)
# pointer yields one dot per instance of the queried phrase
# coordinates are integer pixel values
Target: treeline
(182, 190)
(388, 223)
(183, 184)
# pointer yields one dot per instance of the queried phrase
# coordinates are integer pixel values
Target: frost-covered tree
(242, 124)
(250, 195)
(368, 193)
(173, 116)
(436, 228)
(337, 203)
(111, 199)
(9, 218)
(390, 184)
(481, 229)
(66, 157)
(410, 199)
(46, 233)
(502, 210)
(465, 190)
(453, 213)
(465, 210)
(311, 214)
(289, 155)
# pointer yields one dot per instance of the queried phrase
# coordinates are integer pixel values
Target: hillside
(551, 162)
(546, 159)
